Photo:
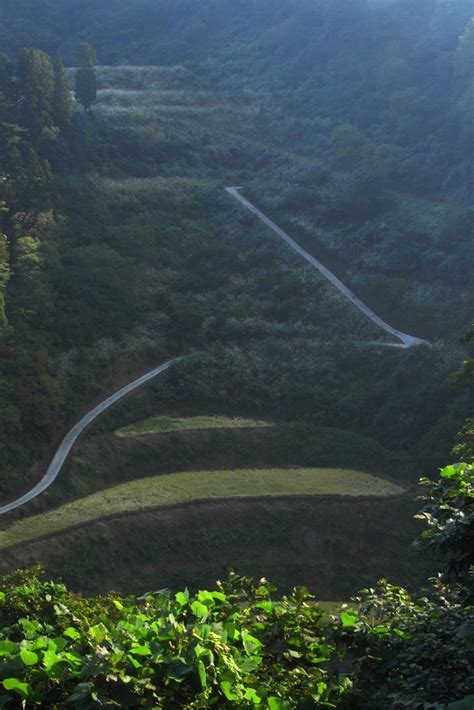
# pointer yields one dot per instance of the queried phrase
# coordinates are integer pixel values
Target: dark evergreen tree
(4, 277)
(62, 103)
(86, 85)
(30, 184)
(36, 85)
(40, 181)
(17, 179)
(7, 88)
(86, 55)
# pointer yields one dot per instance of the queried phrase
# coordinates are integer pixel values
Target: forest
(349, 124)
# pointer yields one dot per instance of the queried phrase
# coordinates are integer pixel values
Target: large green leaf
(72, 633)
(8, 648)
(278, 704)
(29, 658)
(251, 644)
(141, 651)
(202, 674)
(23, 689)
(199, 610)
(349, 619)
(226, 687)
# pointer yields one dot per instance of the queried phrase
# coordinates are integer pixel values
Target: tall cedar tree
(36, 85)
(86, 87)
(4, 277)
(7, 88)
(62, 103)
(31, 184)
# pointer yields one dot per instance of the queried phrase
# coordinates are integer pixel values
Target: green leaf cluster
(233, 646)
(448, 510)
(409, 651)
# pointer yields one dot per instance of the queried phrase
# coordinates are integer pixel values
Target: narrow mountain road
(71, 437)
(406, 341)
(55, 467)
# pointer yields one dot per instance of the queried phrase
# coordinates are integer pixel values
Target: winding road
(407, 341)
(72, 436)
(64, 449)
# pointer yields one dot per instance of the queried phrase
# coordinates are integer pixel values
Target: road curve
(71, 437)
(406, 341)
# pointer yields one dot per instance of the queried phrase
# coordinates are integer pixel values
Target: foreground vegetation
(179, 488)
(239, 646)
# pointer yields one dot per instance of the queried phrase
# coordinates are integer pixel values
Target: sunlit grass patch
(153, 110)
(156, 94)
(188, 486)
(137, 76)
(171, 186)
(162, 423)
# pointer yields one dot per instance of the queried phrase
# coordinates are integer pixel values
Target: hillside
(405, 83)
(148, 258)
(236, 296)
(236, 302)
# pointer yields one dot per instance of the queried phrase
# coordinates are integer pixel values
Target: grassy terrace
(172, 489)
(156, 425)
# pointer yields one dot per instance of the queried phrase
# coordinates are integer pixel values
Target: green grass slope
(161, 423)
(188, 486)
(333, 544)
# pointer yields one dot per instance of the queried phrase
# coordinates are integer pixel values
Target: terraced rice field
(187, 486)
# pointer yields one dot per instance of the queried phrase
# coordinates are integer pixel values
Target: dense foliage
(233, 646)
(238, 646)
(449, 512)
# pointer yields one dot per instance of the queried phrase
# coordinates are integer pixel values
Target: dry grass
(172, 489)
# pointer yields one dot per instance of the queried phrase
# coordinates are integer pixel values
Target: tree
(4, 277)
(62, 104)
(464, 448)
(7, 88)
(31, 183)
(86, 55)
(36, 86)
(417, 651)
(449, 512)
(86, 87)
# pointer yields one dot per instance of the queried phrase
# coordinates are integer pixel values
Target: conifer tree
(7, 88)
(31, 183)
(86, 87)
(39, 190)
(62, 103)
(36, 85)
(4, 277)
(17, 177)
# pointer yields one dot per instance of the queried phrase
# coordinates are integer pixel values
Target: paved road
(71, 437)
(406, 341)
